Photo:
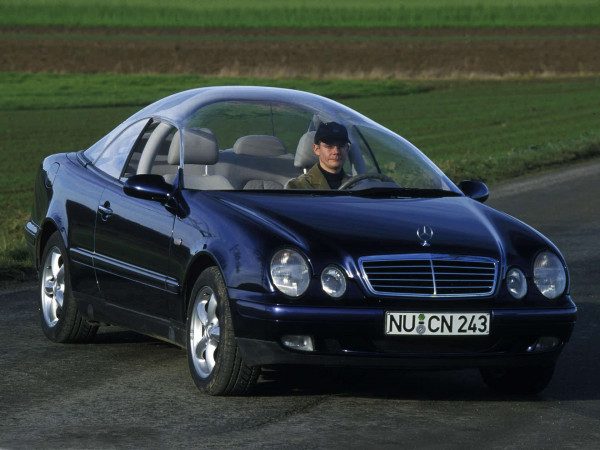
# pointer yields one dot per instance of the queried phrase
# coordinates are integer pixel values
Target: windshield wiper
(402, 192)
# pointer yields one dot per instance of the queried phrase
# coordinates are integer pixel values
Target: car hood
(361, 226)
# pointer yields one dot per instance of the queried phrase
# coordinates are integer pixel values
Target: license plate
(437, 324)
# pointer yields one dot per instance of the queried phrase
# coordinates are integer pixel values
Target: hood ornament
(425, 233)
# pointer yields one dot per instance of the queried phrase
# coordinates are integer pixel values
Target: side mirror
(149, 187)
(477, 190)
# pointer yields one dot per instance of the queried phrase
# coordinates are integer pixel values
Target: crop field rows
(347, 52)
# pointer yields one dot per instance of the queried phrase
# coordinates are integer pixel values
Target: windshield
(252, 145)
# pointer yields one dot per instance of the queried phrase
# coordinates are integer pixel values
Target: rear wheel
(214, 359)
(59, 317)
(518, 380)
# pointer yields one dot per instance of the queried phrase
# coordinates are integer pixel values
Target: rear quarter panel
(67, 193)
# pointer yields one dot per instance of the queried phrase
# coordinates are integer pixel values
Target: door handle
(105, 211)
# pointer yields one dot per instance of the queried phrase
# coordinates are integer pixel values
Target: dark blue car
(178, 224)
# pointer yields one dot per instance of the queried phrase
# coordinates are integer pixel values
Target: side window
(95, 150)
(150, 153)
(134, 157)
(115, 155)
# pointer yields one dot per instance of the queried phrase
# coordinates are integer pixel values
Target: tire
(518, 380)
(214, 358)
(60, 319)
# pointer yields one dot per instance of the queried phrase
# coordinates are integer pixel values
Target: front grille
(428, 275)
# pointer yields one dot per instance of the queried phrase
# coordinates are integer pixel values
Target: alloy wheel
(204, 332)
(53, 287)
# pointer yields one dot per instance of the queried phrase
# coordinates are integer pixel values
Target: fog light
(298, 342)
(333, 281)
(516, 283)
(544, 344)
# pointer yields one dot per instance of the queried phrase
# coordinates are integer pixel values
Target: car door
(85, 188)
(132, 235)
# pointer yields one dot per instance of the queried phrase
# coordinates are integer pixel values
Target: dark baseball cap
(331, 133)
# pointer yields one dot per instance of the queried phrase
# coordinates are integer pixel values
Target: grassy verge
(300, 13)
(473, 129)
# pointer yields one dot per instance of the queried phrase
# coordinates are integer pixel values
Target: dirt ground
(370, 53)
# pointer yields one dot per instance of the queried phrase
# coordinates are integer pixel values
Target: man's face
(331, 156)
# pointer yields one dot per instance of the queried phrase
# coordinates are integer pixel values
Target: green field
(21, 91)
(491, 130)
(300, 13)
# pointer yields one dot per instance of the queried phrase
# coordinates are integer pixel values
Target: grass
(300, 13)
(494, 130)
(25, 91)
(491, 130)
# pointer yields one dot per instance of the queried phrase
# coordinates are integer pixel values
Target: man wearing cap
(331, 147)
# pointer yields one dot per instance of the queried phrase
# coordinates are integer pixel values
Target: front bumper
(355, 337)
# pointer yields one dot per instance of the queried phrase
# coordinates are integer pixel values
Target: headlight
(516, 283)
(549, 275)
(333, 281)
(290, 272)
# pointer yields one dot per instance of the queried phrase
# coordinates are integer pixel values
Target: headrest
(199, 144)
(259, 145)
(305, 156)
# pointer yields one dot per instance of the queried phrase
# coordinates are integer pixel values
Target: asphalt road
(126, 390)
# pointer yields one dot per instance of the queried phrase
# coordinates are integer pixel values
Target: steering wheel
(366, 176)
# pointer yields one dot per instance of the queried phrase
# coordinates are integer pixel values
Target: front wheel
(214, 358)
(60, 319)
(518, 380)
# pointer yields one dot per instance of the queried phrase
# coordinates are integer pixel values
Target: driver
(331, 147)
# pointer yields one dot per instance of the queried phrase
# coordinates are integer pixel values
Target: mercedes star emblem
(425, 233)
